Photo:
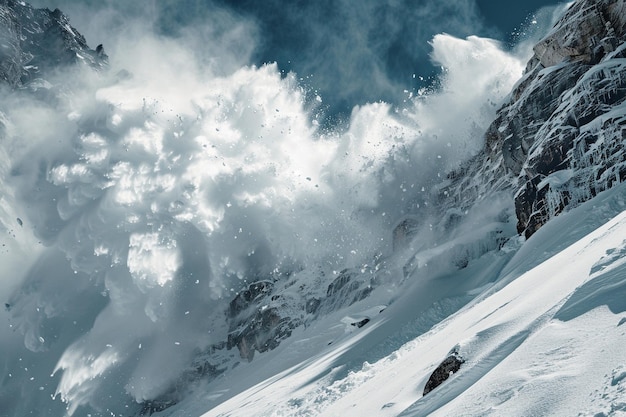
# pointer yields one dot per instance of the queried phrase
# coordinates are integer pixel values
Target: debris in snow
(361, 323)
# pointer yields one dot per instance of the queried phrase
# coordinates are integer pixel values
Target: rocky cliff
(559, 140)
(36, 42)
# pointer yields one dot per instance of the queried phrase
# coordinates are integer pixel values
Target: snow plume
(148, 196)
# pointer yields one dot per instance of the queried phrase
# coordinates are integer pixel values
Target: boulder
(445, 370)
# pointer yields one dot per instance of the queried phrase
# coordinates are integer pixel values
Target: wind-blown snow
(154, 195)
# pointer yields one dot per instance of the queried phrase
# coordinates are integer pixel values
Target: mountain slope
(204, 247)
(542, 339)
(555, 144)
(558, 141)
(38, 42)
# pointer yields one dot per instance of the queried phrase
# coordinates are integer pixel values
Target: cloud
(354, 55)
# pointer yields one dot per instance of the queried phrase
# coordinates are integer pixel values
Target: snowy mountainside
(181, 248)
(545, 337)
(558, 141)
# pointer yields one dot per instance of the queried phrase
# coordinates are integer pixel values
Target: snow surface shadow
(546, 243)
(465, 378)
(607, 288)
(476, 368)
(428, 302)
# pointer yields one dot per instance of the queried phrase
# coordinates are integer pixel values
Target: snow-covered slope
(546, 337)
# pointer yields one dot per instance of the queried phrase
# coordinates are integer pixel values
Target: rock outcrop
(264, 313)
(36, 42)
(559, 140)
(445, 370)
(254, 325)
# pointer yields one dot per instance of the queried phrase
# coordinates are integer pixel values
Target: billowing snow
(156, 202)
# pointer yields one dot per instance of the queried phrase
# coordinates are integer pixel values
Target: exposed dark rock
(586, 32)
(261, 333)
(261, 315)
(312, 305)
(344, 277)
(404, 232)
(246, 297)
(154, 406)
(559, 140)
(349, 287)
(360, 323)
(445, 370)
(260, 318)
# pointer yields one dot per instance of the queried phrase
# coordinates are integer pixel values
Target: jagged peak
(40, 41)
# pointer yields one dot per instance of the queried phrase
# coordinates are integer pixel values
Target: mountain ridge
(38, 42)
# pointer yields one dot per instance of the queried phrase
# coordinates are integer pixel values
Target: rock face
(348, 288)
(254, 324)
(35, 42)
(445, 370)
(265, 313)
(559, 140)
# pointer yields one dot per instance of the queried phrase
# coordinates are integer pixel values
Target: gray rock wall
(559, 140)
(36, 42)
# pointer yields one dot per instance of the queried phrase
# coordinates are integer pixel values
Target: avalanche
(183, 238)
(149, 206)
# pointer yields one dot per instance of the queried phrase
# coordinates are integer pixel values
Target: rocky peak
(36, 42)
(597, 26)
(558, 141)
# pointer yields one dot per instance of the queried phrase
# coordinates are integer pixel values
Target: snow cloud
(152, 193)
